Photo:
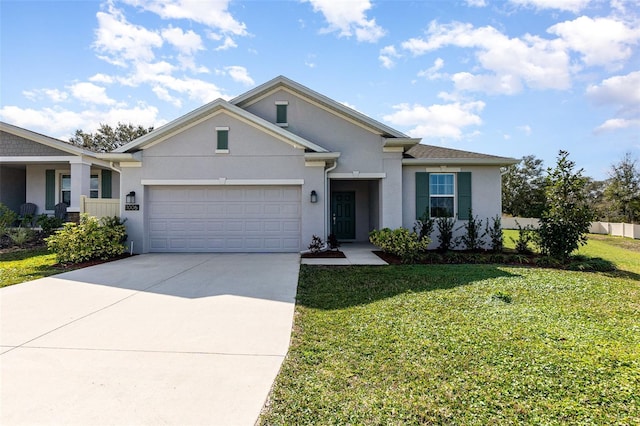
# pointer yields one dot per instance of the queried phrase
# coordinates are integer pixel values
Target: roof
(422, 154)
(269, 87)
(197, 115)
(45, 140)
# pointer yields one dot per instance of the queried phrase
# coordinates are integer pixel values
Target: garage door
(224, 218)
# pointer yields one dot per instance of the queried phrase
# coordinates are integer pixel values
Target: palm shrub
(89, 239)
(408, 246)
(494, 232)
(424, 225)
(472, 238)
(566, 219)
(7, 217)
(445, 232)
(526, 235)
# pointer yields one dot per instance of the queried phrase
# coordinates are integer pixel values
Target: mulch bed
(93, 262)
(329, 254)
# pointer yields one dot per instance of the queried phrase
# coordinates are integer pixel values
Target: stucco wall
(360, 149)
(486, 187)
(253, 154)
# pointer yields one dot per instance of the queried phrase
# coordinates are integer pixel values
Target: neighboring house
(45, 171)
(269, 169)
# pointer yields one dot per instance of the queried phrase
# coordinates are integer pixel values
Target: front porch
(355, 208)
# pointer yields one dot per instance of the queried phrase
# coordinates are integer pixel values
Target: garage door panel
(221, 219)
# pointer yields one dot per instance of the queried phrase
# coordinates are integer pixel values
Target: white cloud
(437, 121)
(614, 124)
(623, 92)
(227, 44)
(90, 93)
(600, 41)
(62, 123)
(387, 55)
(526, 129)
(186, 43)
(240, 75)
(476, 3)
(121, 42)
(213, 13)
(101, 78)
(432, 72)
(568, 5)
(53, 95)
(349, 18)
(511, 62)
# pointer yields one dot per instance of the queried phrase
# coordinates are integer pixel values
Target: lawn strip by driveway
(460, 344)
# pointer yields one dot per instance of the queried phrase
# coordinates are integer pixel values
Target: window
(281, 113)
(65, 189)
(222, 141)
(441, 190)
(94, 187)
(443, 194)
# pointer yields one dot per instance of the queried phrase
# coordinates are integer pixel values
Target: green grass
(464, 344)
(26, 265)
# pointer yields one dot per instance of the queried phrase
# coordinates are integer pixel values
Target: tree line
(615, 199)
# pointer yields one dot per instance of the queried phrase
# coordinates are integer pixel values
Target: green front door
(343, 215)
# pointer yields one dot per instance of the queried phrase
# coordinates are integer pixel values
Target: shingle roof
(431, 152)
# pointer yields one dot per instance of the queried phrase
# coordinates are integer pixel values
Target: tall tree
(623, 191)
(523, 188)
(566, 219)
(107, 138)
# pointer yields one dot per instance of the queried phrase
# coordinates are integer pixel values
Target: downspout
(327, 196)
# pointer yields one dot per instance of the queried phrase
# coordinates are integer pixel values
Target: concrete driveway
(193, 339)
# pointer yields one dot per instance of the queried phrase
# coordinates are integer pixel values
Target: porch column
(80, 183)
(391, 191)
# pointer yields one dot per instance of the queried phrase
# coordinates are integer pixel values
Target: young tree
(623, 190)
(108, 138)
(523, 188)
(565, 221)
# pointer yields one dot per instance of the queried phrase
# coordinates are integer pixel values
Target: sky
(509, 78)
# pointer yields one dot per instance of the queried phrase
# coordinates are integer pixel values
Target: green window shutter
(281, 114)
(106, 184)
(422, 194)
(464, 195)
(50, 189)
(223, 139)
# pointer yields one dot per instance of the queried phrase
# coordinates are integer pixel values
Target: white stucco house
(266, 171)
(269, 169)
(45, 171)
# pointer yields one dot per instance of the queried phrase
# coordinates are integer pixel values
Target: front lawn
(463, 344)
(25, 265)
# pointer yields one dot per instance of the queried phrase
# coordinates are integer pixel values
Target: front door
(343, 215)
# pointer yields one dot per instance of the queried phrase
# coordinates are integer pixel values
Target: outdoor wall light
(314, 197)
(131, 198)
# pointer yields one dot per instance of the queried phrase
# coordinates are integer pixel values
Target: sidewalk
(356, 254)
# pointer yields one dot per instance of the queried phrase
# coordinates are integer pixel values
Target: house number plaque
(130, 207)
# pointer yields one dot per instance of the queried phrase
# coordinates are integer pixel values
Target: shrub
(565, 222)
(48, 223)
(471, 239)
(525, 236)
(424, 226)
(332, 240)
(494, 232)
(21, 236)
(408, 246)
(316, 244)
(7, 217)
(445, 232)
(90, 239)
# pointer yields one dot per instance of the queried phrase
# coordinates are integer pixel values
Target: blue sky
(512, 77)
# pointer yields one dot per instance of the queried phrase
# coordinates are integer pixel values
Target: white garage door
(224, 218)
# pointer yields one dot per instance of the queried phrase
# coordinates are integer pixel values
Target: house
(280, 163)
(45, 171)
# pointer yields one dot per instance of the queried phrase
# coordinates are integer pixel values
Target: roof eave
(459, 161)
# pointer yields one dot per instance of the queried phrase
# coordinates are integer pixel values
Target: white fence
(100, 207)
(616, 229)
